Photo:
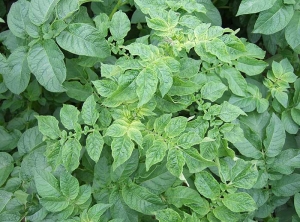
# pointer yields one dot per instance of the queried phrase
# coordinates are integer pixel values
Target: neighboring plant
(144, 110)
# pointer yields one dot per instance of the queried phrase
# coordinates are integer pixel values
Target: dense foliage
(149, 110)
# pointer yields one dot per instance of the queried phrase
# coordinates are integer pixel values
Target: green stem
(117, 6)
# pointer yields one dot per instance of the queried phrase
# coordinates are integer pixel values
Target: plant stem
(117, 6)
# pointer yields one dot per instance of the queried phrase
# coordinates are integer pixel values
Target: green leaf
(237, 83)
(48, 126)
(69, 185)
(8, 140)
(119, 209)
(292, 31)
(230, 112)
(122, 148)
(213, 90)
(117, 129)
(77, 90)
(94, 145)
(70, 154)
(254, 6)
(126, 169)
(165, 77)
(105, 87)
(295, 113)
(119, 25)
(209, 149)
(286, 161)
(96, 211)
(284, 71)
(46, 62)
(146, 85)
(161, 122)
(41, 10)
(273, 19)
(46, 184)
(5, 198)
(29, 140)
(243, 174)
(16, 18)
(69, 116)
(187, 140)
(145, 52)
(89, 111)
(207, 185)
(289, 124)
(275, 137)
(250, 66)
(66, 8)
(18, 78)
(195, 162)
(183, 87)
(85, 192)
(167, 215)
(6, 167)
(175, 162)
(224, 214)
(287, 186)
(141, 199)
(155, 153)
(239, 202)
(189, 197)
(83, 39)
(54, 204)
(297, 203)
(176, 126)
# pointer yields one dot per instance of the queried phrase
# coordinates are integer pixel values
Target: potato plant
(149, 110)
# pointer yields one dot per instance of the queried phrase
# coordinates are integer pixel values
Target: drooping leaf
(83, 39)
(89, 111)
(168, 215)
(120, 25)
(275, 137)
(155, 153)
(243, 174)
(18, 78)
(141, 199)
(66, 8)
(48, 126)
(230, 112)
(176, 126)
(6, 167)
(94, 145)
(16, 18)
(239, 202)
(254, 6)
(69, 185)
(297, 203)
(175, 162)
(122, 148)
(70, 154)
(29, 140)
(54, 204)
(213, 90)
(207, 185)
(189, 197)
(273, 19)
(46, 184)
(293, 30)
(41, 10)
(237, 83)
(46, 62)
(146, 85)
(69, 116)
